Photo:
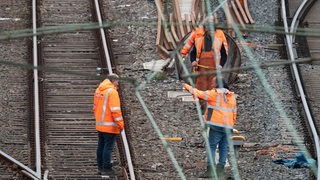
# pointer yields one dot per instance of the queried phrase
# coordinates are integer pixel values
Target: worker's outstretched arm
(194, 91)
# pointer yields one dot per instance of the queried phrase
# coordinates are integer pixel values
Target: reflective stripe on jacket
(196, 39)
(221, 108)
(107, 110)
(219, 41)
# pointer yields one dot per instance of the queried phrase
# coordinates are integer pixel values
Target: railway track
(150, 158)
(304, 15)
(68, 132)
(65, 140)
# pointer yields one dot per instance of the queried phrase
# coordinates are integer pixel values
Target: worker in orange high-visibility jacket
(206, 56)
(196, 40)
(220, 117)
(109, 121)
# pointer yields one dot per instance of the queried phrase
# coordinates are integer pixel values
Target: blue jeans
(218, 136)
(104, 151)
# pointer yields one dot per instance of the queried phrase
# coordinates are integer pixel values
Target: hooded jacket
(106, 108)
(221, 108)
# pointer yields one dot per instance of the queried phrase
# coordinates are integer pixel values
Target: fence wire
(139, 86)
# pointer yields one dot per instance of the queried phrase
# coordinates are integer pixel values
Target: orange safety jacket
(220, 40)
(196, 39)
(106, 108)
(221, 106)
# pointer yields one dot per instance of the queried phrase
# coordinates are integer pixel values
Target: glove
(183, 85)
(195, 64)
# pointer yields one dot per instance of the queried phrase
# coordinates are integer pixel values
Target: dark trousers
(218, 136)
(104, 151)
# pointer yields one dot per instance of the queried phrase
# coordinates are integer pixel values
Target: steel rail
(103, 37)
(298, 14)
(123, 134)
(289, 41)
(36, 90)
(29, 171)
(26, 170)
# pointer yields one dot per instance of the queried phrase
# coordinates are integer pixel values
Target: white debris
(155, 65)
(123, 5)
(6, 19)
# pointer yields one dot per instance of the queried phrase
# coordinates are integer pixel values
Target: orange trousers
(205, 82)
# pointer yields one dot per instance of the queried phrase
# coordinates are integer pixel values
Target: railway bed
(257, 117)
(14, 117)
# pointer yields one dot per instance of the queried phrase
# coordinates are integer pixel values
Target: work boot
(220, 171)
(100, 170)
(109, 172)
(208, 173)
